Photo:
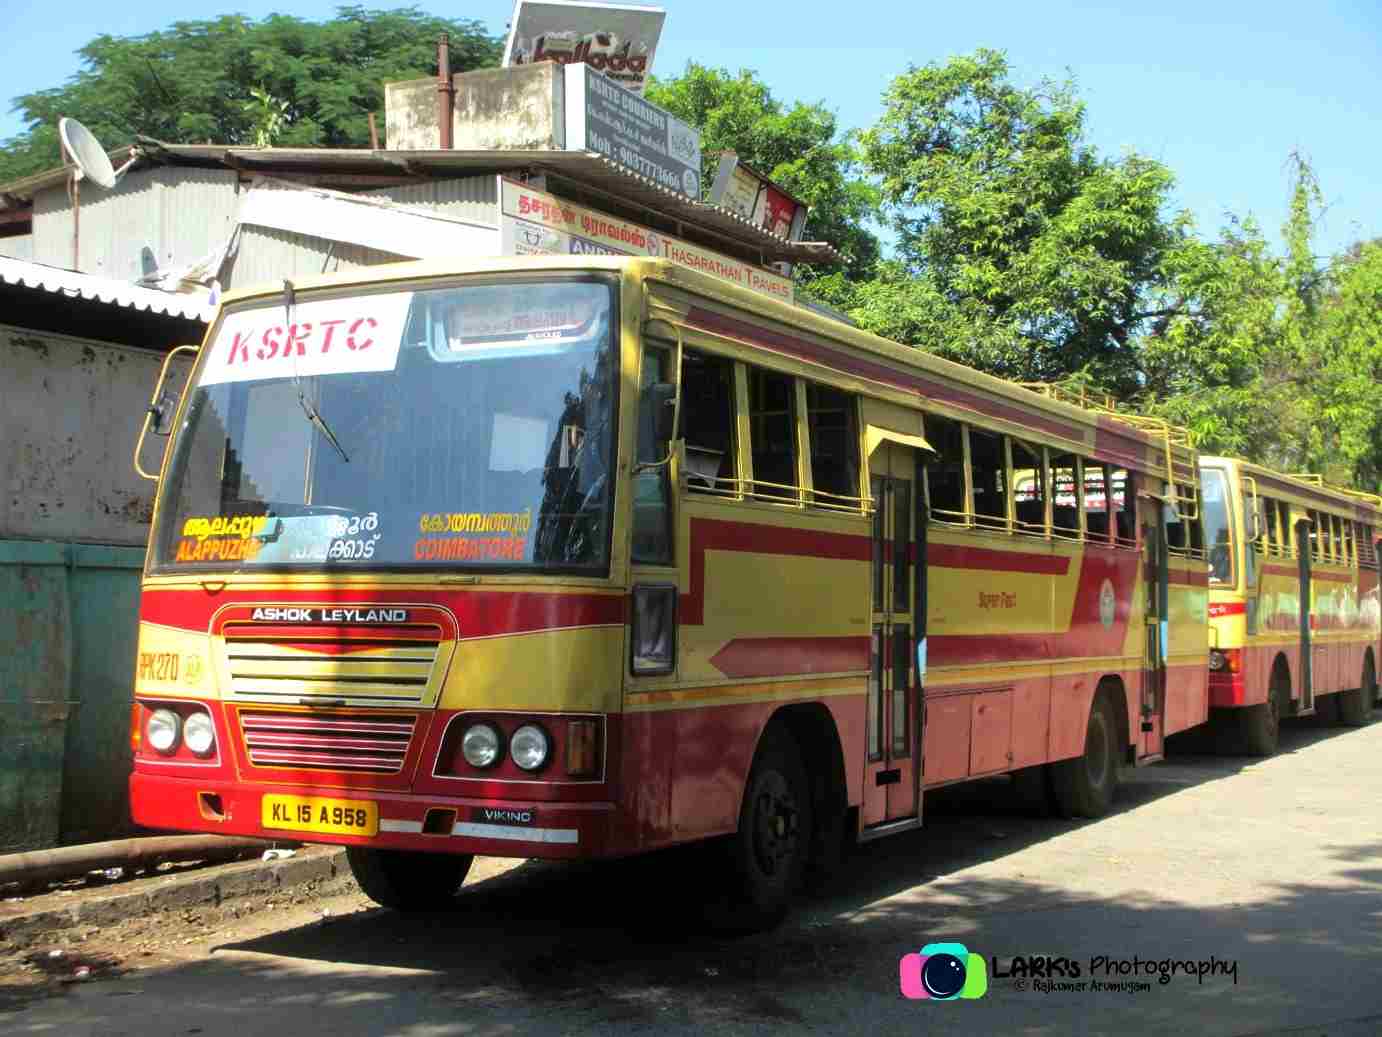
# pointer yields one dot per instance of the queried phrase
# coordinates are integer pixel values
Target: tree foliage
(1014, 234)
(233, 80)
(798, 146)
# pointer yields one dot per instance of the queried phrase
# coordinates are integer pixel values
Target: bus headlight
(1217, 661)
(199, 733)
(529, 747)
(163, 729)
(480, 746)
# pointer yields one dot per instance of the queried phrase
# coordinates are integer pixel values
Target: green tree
(1278, 359)
(197, 81)
(798, 146)
(1013, 233)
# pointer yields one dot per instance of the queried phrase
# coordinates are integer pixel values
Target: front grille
(347, 671)
(363, 742)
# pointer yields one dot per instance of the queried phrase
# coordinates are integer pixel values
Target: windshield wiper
(315, 418)
(319, 423)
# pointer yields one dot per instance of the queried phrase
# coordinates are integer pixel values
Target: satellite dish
(90, 158)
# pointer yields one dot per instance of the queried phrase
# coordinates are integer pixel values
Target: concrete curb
(212, 885)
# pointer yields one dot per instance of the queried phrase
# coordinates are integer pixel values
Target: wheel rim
(1096, 751)
(776, 825)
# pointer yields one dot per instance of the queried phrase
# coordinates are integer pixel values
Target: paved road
(1274, 865)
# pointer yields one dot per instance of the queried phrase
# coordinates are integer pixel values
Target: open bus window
(707, 422)
(1288, 532)
(773, 434)
(1065, 496)
(1029, 487)
(1124, 497)
(945, 472)
(1096, 501)
(831, 417)
(990, 474)
(652, 536)
(1176, 539)
(1270, 539)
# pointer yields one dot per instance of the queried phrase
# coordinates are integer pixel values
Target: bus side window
(1350, 545)
(989, 467)
(1337, 540)
(773, 434)
(1029, 487)
(652, 532)
(1195, 526)
(1288, 533)
(1096, 501)
(1124, 507)
(1315, 535)
(707, 423)
(833, 430)
(1065, 496)
(945, 472)
(1175, 524)
(1269, 524)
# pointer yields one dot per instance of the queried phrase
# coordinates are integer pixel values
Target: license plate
(319, 814)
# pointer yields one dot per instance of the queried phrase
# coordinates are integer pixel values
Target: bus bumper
(405, 821)
(1227, 689)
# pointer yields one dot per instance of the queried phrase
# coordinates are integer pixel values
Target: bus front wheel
(1260, 730)
(1084, 786)
(406, 880)
(770, 851)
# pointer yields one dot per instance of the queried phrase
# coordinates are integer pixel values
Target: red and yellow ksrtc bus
(582, 557)
(1293, 600)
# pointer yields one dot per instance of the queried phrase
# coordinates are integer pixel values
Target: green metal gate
(68, 631)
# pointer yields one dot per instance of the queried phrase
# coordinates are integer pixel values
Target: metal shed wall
(266, 256)
(18, 246)
(472, 198)
(154, 219)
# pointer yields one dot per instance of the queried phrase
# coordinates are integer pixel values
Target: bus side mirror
(664, 396)
(163, 405)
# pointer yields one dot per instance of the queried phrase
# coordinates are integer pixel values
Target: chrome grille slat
(350, 670)
(330, 741)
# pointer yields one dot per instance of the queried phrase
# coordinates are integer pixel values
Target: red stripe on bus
(480, 613)
(758, 538)
(777, 656)
(1227, 608)
(948, 556)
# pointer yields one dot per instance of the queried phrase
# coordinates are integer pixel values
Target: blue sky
(1222, 91)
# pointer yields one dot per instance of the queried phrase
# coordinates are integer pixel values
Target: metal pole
(446, 91)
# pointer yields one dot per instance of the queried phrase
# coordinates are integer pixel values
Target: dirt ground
(1272, 866)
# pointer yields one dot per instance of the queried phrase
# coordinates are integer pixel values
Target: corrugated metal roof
(102, 289)
(584, 168)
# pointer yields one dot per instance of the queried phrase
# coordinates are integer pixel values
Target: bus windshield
(467, 427)
(1218, 525)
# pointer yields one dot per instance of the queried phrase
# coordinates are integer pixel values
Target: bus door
(1156, 577)
(892, 775)
(1307, 662)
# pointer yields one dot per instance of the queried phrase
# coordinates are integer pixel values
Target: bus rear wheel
(1355, 707)
(1084, 786)
(406, 880)
(1260, 725)
(770, 851)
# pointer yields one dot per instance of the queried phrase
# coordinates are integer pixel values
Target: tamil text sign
(536, 223)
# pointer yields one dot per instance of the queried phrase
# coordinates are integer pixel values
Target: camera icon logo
(943, 972)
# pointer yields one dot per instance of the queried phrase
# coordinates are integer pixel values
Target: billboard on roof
(617, 40)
